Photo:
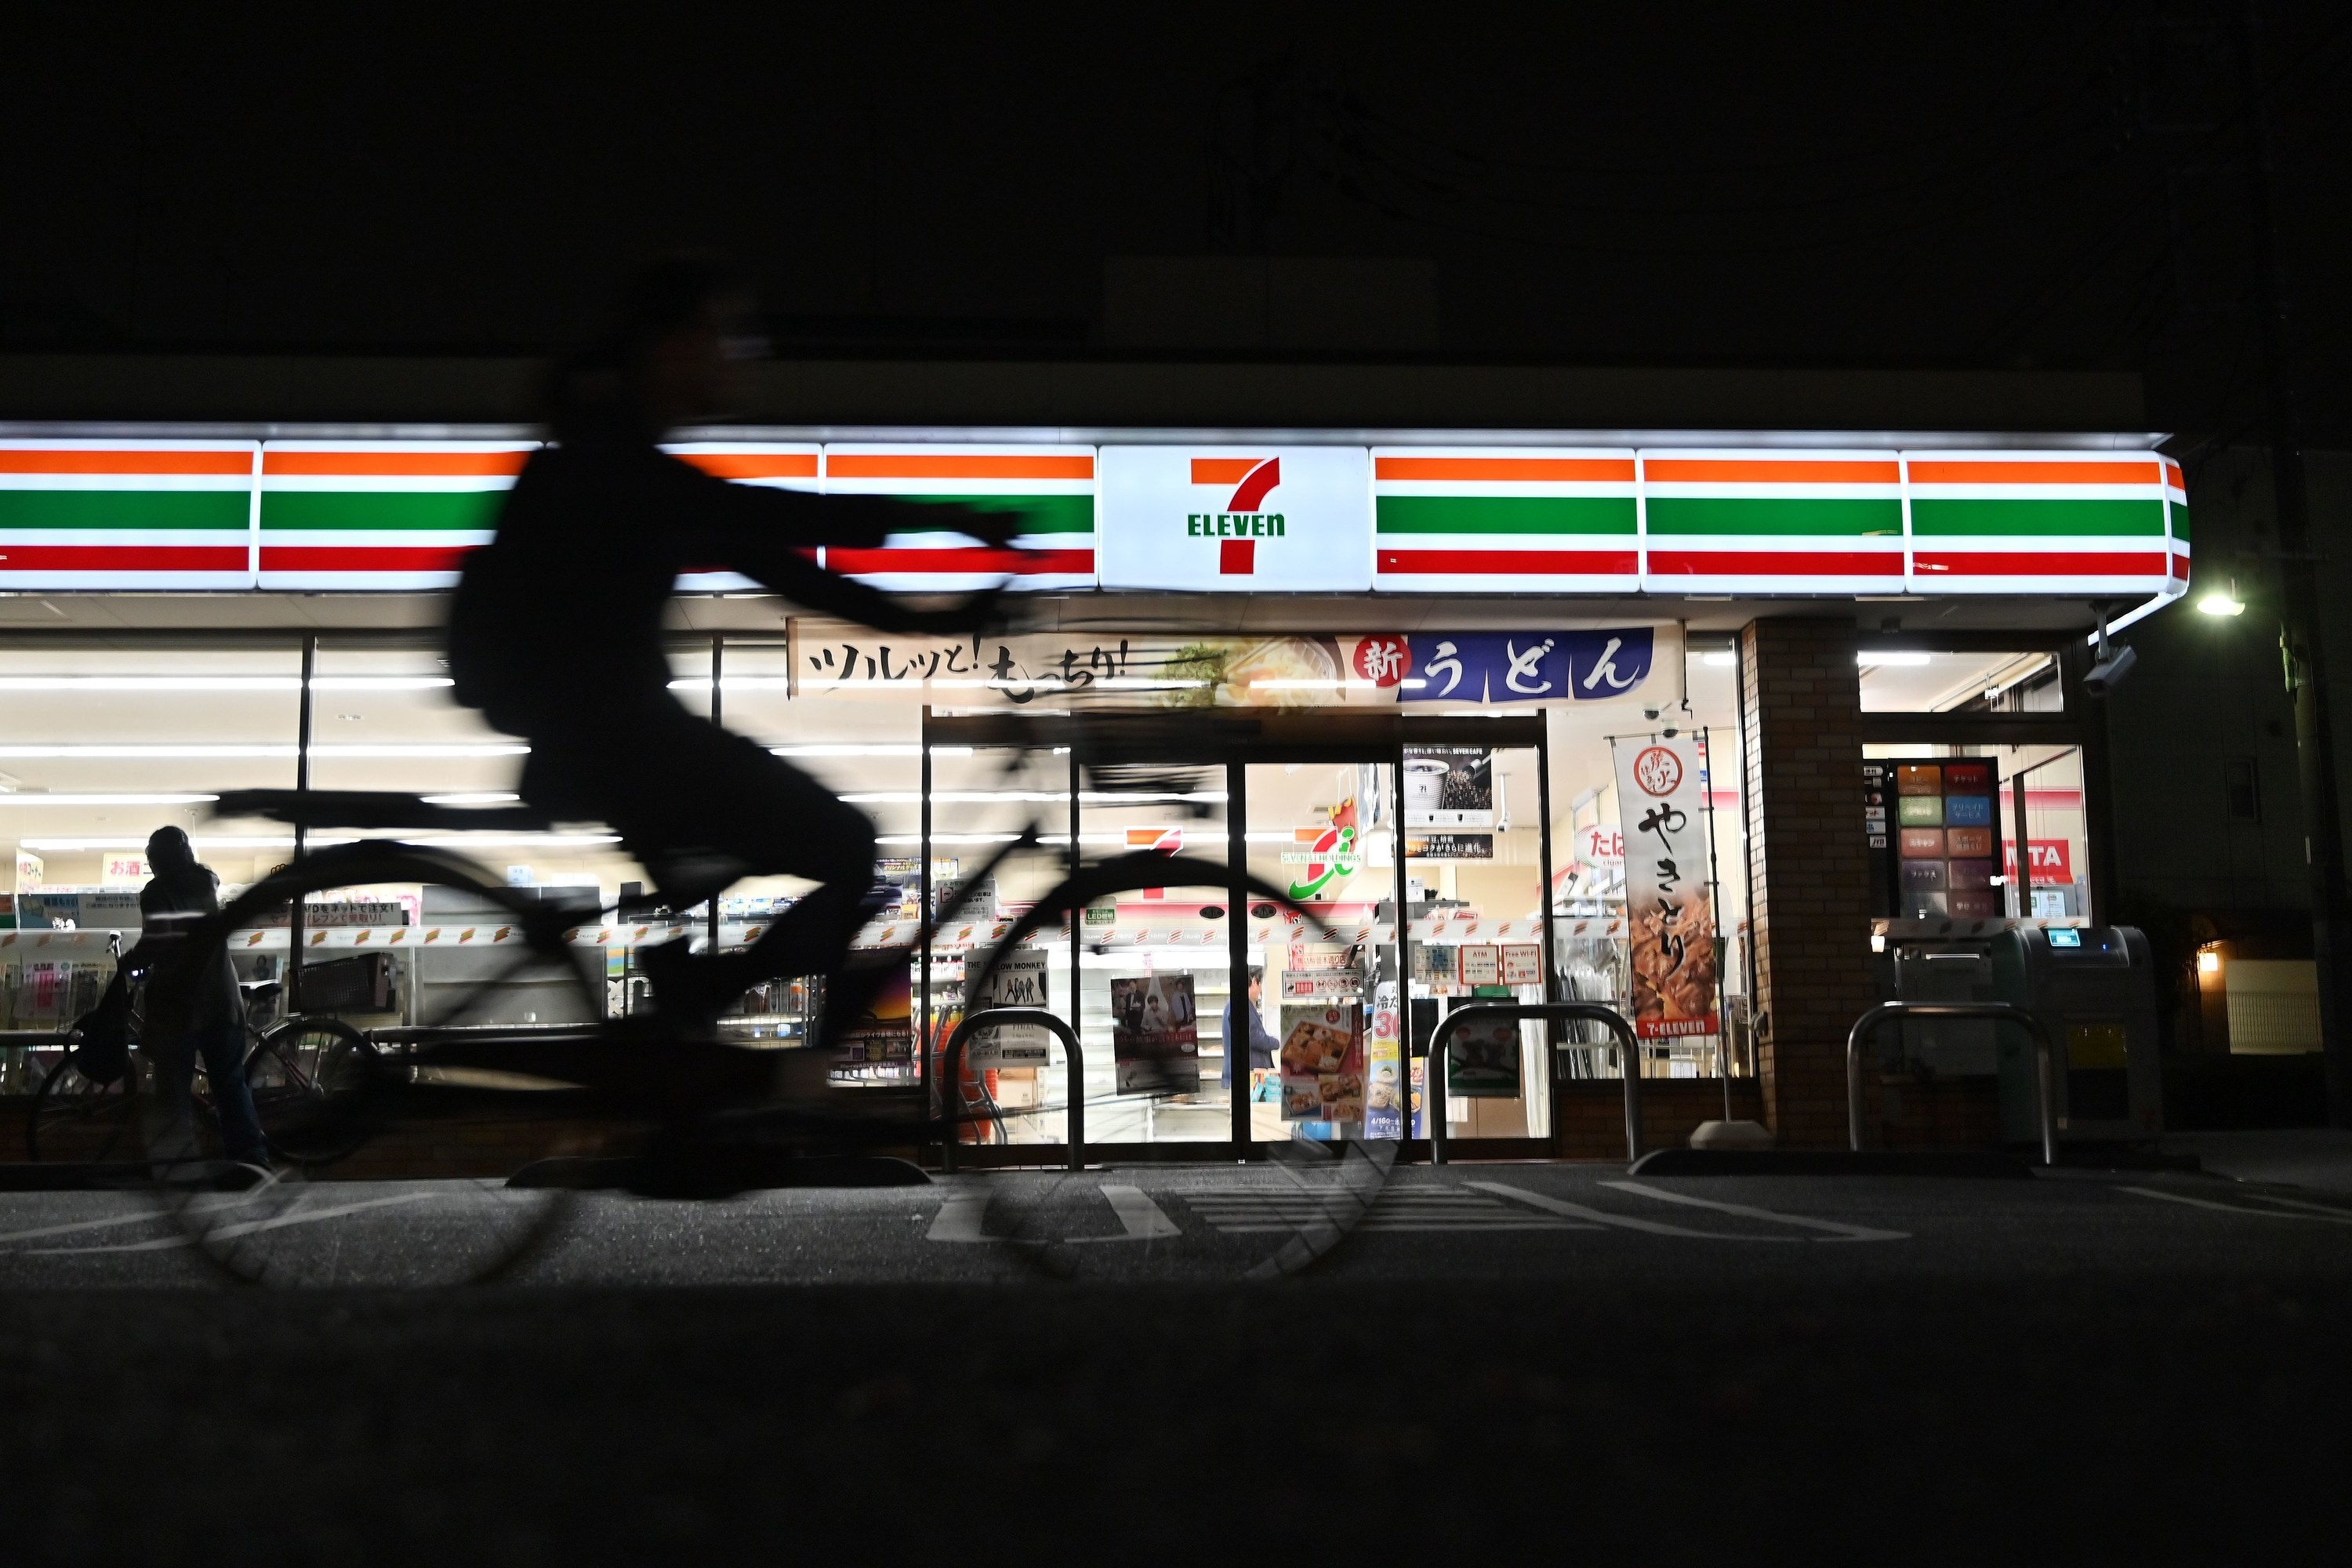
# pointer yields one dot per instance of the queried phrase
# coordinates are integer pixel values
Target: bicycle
(718, 1123)
(292, 1067)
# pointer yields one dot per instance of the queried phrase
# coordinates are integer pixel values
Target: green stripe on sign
(1505, 514)
(2179, 520)
(124, 508)
(1821, 517)
(1040, 514)
(383, 512)
(2034, 518)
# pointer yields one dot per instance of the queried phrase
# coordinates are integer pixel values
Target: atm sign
(2053, 865)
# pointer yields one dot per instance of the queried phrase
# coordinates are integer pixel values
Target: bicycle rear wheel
(75, 1119)
(418, 1193)
(310, 1078)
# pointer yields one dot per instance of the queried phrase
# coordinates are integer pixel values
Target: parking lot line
(1623, 1222)
(2324, 1218)
(1838, 1229)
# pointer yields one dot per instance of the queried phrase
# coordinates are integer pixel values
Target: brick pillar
(1809, 889)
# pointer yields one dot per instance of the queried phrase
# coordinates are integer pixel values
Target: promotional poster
(1155, 1033)
(1323, 1063)
(1669, 909)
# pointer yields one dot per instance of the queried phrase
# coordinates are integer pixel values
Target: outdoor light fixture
(2222, 602)
(2209, 961)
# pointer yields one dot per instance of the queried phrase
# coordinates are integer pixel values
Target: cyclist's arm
(805, 582)
(735, 516)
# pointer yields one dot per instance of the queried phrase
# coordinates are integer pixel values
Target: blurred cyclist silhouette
(555, 634)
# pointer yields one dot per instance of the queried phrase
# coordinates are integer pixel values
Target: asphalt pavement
(1158, 1362)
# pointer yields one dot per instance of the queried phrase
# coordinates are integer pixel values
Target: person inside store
(191, 1017)
(556, 635)
(1262, 1045)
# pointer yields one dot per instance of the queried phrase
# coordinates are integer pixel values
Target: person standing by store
(191, 1015)
(1261, 1045)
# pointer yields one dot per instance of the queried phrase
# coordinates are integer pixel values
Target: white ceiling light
(45, 798)
(1719, 659)
(222, 682)
(1908, 660)
(487, 798)
(129, 751)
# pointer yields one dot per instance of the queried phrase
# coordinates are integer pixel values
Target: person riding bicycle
(555, 634)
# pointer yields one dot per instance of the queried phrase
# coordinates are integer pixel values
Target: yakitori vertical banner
(1669, 904)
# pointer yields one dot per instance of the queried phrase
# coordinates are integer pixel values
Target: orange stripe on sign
(2175, 478)
(1495, 470)
(754, 465)
(1223, 470)
(88, 462)
(1770, 470)
(958, 466)
(2035, 473)
(392, 465)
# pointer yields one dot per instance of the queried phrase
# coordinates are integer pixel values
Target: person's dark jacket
(1262, 1045)
(171, 902)
(560, 616)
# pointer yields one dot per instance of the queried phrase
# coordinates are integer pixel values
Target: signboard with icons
(1941, 857)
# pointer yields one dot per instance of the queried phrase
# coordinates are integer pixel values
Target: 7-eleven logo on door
(1241, 522)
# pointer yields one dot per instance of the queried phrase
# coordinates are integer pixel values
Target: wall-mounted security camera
(2114, 662)
(2107, 671)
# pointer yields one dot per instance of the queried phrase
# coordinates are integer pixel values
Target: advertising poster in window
(1449, 786)
(1154, 1034)
(1483, 1063)
(1323, 1063)
(1018, 982)
(1669, 912)
(1384, 1085)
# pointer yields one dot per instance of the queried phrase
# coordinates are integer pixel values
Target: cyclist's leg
(223, 1045)
(172, 1119)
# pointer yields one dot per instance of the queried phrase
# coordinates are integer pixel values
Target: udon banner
(1457, 669)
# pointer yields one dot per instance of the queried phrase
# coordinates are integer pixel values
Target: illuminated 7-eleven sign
(1222, 518)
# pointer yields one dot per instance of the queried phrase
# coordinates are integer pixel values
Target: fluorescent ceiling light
(1719, 659)
(487, 798)
(129, 750)
(1909, 660)
(871, 749)
(323, 840)
(45, 798)
(222, 682)
(1024, 797)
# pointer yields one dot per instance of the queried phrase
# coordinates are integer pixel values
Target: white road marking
(1623, 1222)
(1136, 1213)
(1838, 1230)
(959, 1218)
(2332, 1219)
(2338, 1210)
(134, 1218)
(1323, 1214)
(244, 1228)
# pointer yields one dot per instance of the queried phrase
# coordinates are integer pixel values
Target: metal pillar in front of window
(293, 1003)
(1237, 899)
(1076, 1113)
(717, 716)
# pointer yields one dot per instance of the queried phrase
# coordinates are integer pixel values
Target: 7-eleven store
(1393, 674)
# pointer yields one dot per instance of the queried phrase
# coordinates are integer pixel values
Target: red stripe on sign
(1505, 470)
(1776, 563)
(1771, 471)
(1931, 472)
(1510, 562)
(2180, 567)
(121, 558)
(960, 466)
(394, 465)
(362, 558)
(754, 465)
(86, 462)
(2042, 562)
(995, 562)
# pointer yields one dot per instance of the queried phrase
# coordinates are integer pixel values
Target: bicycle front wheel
(310, 1079)
(75, 1119)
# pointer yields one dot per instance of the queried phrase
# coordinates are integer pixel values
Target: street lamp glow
(2218, 603)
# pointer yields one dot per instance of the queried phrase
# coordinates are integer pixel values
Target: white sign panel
(1258, 519)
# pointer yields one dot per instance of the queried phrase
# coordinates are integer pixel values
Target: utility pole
(2300, 650)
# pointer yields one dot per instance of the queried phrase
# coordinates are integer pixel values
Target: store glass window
(102, 747)
(1926, 681)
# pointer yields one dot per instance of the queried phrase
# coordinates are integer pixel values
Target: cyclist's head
(168, 849)
(669, 355)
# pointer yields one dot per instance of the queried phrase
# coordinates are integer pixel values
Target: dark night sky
(2056, 185)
